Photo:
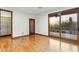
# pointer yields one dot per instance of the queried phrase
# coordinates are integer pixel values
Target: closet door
(5, 23)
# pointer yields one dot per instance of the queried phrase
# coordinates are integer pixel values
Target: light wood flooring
(36, 43)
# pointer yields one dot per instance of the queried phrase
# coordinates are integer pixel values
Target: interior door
(31, 26)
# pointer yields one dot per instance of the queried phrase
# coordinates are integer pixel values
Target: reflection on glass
(69, 26)
(54, 26)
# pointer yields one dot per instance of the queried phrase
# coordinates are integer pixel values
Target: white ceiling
(35, 10)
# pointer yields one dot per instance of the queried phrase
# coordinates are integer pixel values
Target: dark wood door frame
(65, 12)
(30, 25)
(11, 19)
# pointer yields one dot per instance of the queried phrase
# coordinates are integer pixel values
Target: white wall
(20, 22)
(42, 21)
(42, 24)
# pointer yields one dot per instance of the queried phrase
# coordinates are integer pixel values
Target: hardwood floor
(36, 43)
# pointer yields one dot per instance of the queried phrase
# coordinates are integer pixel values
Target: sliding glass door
(54, 26)
(64, 26)
(69, 26)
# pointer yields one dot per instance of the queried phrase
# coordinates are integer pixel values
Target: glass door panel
(73, 27)
(69, 26)
(5, 23)
(54, 26)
